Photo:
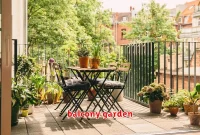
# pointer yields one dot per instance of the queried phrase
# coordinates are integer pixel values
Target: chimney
(116, 16)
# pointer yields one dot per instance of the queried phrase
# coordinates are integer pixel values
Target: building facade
(119, 25)
(191, 20)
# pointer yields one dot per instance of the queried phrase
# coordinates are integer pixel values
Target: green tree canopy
(152, 23)
(67, 21)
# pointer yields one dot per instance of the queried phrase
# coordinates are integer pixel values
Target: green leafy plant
(172, 102)
(26, 66)
(54, 89)
(22, 96)
(37, 83)
(83, 52)
(193, 97)
(180, 97)
(96, 50)
(153, 92)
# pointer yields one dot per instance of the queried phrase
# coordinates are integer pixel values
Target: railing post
(15, 57)
(152, 46)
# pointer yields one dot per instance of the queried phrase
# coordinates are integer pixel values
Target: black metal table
(91, 75)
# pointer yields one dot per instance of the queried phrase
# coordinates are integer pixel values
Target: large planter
(83, 62)
(173, 111)
(52, 78)
(50, 99)
(194, 118)
(189, 108)
(14, 115)
(155, 106)
(94, 63)
(115, 93)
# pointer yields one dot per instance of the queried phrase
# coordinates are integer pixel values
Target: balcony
(197, 11)
(46, 121)
(190, 32)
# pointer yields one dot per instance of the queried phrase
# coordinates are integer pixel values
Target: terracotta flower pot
(194, 118)
(83, 61)
(50, 99)
(94, 63)
(67, 99)
(189, 108)
(173, 111)
(155, 106)
(90, 97)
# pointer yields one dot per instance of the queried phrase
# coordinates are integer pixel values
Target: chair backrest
(123, 69)
(59, 75)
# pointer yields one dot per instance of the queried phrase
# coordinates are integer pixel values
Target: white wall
(19, 23)
(19, 26)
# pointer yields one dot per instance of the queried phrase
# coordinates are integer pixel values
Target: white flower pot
(116, 92)
(30, 109)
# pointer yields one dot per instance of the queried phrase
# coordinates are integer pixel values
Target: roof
(119, 16)
(189, 10)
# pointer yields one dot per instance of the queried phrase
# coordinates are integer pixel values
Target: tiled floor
(46, 121)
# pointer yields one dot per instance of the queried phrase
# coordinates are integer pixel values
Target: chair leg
(115, 101)
(68, 104)
(60, 102)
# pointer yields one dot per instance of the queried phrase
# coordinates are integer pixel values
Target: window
(123, 33)
(179, 20)
(185, 19)
(191, 7)
(124, 19)
(199, 22)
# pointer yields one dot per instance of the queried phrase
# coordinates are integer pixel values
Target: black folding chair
(118, 82)
(71, 92)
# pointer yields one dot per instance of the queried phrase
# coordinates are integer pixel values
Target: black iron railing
(172, 63)
(176, 64)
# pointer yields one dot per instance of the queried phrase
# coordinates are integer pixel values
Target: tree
(58, 27)
(152, 24)
(62, 21)
(51, 22)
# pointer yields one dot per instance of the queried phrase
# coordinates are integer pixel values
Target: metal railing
(176, 64)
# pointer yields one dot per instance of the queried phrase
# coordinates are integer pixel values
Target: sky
(124, 5)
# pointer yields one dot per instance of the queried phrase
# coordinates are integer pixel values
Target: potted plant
(25, 110)
(173, 105)
(21, 96)
(190, 100)
(96, 53)
(53, 92)
(194, 97)
(180, 98)
(37, 84)
(154, 94)
(91, 94)
(83, 54)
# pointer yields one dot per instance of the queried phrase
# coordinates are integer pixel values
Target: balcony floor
(46, 121)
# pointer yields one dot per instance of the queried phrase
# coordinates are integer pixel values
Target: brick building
(119, 25)
(190, 22)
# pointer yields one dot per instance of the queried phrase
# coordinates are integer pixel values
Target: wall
(197, 59)
(19, 23)
(186, 84)
(118, 35)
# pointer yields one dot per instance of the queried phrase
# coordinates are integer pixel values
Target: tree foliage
(66, 21)
(152, 23)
